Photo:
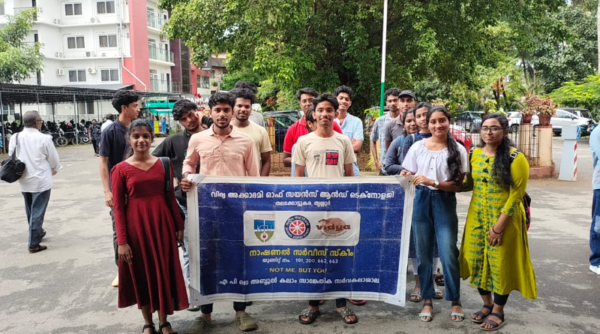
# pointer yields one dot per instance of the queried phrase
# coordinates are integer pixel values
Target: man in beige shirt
(244, 99)
(222, 151)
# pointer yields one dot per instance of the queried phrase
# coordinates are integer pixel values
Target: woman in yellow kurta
(495, 251)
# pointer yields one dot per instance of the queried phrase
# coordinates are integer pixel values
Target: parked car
(563, 117)
(578, 112)
(462, 138)
(514, 120)
(283, 120)
(470, 120)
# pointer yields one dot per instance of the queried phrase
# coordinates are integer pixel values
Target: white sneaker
(595, 269)
(115, 282)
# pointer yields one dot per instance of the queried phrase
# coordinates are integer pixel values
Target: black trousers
(237, 306)
(498, 299)
(340, 302)
(95, 144)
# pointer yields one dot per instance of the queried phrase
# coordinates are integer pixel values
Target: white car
(561, 119)
(514, 120)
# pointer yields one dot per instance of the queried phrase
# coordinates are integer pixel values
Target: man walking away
(244, 99)
(352, 126)
(114, 148)
(325, 154)
(391, 96)
(175, 148)
(225, 152)
(595, 230)
(37, 151)
(95, 132)
(110, 118)
(255, 117)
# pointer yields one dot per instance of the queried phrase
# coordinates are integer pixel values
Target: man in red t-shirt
(298, 129)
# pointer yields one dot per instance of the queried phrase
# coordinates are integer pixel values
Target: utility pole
(598, 30)
(383, 50)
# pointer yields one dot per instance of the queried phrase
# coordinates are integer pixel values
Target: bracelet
(497, 232)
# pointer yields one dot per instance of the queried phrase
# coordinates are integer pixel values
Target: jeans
(115, 242)
(339, 303)
(237, 306)
(35, 207)
(595, 230)
(186, 255)
(434, 212)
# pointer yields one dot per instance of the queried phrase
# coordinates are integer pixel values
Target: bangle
(495, 230)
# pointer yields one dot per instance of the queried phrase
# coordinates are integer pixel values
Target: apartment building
(106, 43)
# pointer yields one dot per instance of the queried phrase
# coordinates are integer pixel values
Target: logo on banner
(264, 229)
(297, 227)
(333, 227)
(332, 157)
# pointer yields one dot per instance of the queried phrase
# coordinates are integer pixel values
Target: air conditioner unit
(93, 20)
(91, 70)
(56, 21)
(104, 55)
(88, 54)
(163, 38)
(60, 72)
(57, 55)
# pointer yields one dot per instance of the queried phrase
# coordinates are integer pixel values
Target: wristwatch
(436, 184)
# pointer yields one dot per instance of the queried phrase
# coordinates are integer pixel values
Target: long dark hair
(454, 157)
(408, 112)
(501, 169)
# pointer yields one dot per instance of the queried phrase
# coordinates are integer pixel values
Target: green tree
(17, 58)
(585, 93)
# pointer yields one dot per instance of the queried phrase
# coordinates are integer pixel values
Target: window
(1, 9)
(203, 82)
(108, 41)
(75, 42)
(212, 74)
(77, 76)
(73, 9)
(105, 7)
(110, 75)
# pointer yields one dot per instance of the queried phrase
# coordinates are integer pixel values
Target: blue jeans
(186, 256)
(595, 230)
(434, 212)
(35, 207)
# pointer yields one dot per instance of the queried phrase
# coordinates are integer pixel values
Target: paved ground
(66, 289)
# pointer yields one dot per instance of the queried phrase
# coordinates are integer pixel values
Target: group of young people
(149, 222)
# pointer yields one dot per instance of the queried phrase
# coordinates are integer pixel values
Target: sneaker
(595, 269)
(115, 282)
(245, 322)
(199, 326)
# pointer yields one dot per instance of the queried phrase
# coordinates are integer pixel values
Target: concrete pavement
(66, 289)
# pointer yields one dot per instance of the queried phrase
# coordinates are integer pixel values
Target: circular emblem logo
(297, 227)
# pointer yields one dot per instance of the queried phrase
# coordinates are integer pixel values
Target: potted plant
(544, 107)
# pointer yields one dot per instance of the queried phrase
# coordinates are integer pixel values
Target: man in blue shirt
(114, 148)
(392, 101)
(352, 126)
(595, 230)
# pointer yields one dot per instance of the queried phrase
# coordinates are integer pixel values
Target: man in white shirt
(110, 118)
(37, 151)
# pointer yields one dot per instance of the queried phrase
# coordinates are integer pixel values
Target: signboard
(298, 239)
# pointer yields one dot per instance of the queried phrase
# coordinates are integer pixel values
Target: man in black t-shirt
(114, 148)
(175, 148)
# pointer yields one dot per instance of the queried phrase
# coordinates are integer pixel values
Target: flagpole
(383, 50)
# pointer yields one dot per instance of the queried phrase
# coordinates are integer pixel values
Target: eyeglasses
(491, 128)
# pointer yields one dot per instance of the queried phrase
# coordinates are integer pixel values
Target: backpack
(526, 198)
(166, 163)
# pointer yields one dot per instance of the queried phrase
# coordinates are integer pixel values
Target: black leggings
(339, 303)
(237, 306)
(498, 299)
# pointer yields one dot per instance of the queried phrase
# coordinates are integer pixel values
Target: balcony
(18, 10)
(155, 21)
(164, 86)
(160, 54)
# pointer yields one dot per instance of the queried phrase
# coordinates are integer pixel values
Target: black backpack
(12, 168)
(526, 197)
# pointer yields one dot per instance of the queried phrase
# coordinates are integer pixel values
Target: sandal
(422, 315)
(357, 302)
(165, 325)
(439, 279)
(149, 326)
(482, 315)
(495, 325)
(454, 314)
(438, 294)
(39, 248)
(321, 302)
(348, 313)
(415, 297)
(312, 316)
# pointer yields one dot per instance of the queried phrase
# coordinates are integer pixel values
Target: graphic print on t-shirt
(333, 156)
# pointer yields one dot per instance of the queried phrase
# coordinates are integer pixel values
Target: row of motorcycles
(63, 133)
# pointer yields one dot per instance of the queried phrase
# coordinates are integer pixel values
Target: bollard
(568, 165)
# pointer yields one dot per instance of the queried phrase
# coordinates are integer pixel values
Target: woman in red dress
(148, 229)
